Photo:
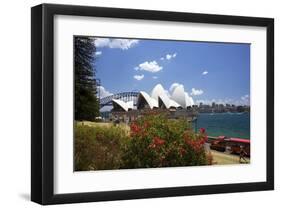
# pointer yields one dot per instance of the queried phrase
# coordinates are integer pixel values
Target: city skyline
(209, 72)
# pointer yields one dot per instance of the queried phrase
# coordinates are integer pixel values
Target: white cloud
(138, 77)
(123, 44)
(103, 92)
(154, 77)
(162, 58)
(173, 86)
(205, 72)
(245, 99)
(98, 53)
(205, 101)
(196, 92)
(170, 56)
(136, 68)
(217, 101)
(152, 66)
(102, 42)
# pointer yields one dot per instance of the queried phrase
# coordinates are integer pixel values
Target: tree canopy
(86, 102)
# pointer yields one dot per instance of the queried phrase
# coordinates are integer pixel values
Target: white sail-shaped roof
(121, 104)
(182, 97)
(154, 103)
(179, 98)
(150, 101)
(126, 106)
(178, 95)
(168, 103)
(157, 91)
(191, 101)
(130, 105)
(174, 104)
(187, 100)
(165, 99)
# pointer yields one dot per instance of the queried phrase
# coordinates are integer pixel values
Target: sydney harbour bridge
(124, 96)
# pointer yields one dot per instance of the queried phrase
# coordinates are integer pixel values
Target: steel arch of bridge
(124, 96)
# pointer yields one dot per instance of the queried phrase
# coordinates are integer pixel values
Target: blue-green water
(225, 124)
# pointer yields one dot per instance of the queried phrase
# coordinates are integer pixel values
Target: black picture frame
(42, 103)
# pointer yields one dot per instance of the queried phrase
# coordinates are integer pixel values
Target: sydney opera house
(176, 105)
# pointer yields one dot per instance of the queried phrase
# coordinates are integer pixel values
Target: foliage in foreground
(153, 141)
(160, 142)
(98, 148)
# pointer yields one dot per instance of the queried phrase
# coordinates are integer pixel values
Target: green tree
(86, 103)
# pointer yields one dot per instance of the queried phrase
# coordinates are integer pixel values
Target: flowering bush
(157, 141)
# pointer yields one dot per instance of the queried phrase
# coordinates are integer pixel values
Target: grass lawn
(104, 124)
(89, 123)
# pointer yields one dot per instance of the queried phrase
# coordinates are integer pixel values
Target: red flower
(196, 145)
(202, 130)
(158, 141)
(135, 128)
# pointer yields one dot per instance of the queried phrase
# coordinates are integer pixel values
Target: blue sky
(218, 72)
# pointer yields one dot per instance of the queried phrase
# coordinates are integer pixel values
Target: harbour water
(225, 124)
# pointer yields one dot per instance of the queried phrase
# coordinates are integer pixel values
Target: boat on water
(230, 145)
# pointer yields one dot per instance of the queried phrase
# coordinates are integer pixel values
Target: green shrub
(160, 142)
(98, 147)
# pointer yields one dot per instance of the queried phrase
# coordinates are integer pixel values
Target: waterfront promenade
(220, 158)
